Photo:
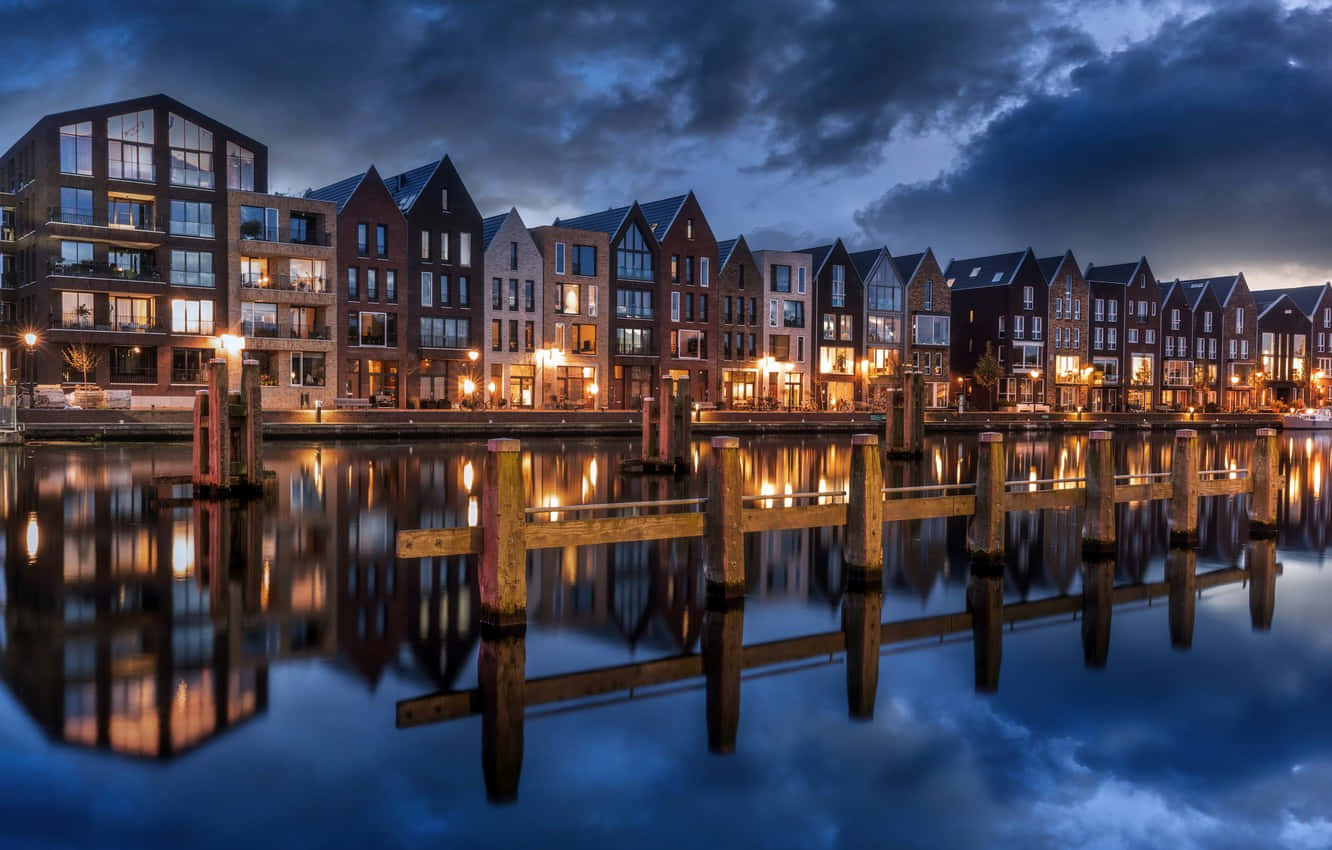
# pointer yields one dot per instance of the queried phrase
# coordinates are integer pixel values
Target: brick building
(884, 324)
(786, 373)
(1066, 357)
(575, 347)
(1177, 348)
(839, 301)
(1137, 327)
(928, 333)
(741, 337)
(1209, 378)
(1000, 300)
(513, 313)
(1283, 349)
(1239, 337)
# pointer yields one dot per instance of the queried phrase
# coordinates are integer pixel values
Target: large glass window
(188, 365)
(882, 291)
(192, 317)
(130, 146)
(133, 364)
(191, 153)
(75, 256)
(259, 223)
(584, 339)
(240, 168)
(838, 286)
(633, 341)
(192, 218)
(633, 256)
(307, 369)
(76, 206)
(930, 330)
(633, 304)
(566, 298)
(583, 260)
(781, 278)
(883, 329)
(132, 213)
(373, 328)
(464, 249)
(836, 360)
(76, 309)
(76, 148)
(793, 314)
(259, 319)
(191, 268)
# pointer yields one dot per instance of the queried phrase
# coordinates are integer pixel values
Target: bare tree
(82, 358)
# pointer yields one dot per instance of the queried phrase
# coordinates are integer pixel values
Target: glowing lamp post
(30, 341)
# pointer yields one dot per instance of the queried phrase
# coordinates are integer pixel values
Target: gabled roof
(1222, 286)
(1120, 273)
(818, 255)
(907, 264)
(984, 272)
(724, 249)
(864, 260)
(1305, 297)
(407, 186)
(661, 214)
(1194, 290)
(1266, 299)
(1050, 265)
(491, 226)
(340, 192)
(608, 222)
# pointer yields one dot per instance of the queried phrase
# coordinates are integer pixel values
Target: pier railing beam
(863, 549)
(985, 534)
(503, 574)
(1184, 470)
(1266, 479)
(1182, 576)
(1098, 518)
(723, 524)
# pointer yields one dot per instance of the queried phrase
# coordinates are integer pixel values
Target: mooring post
(647, 452)
(666, 419)
(862, 615)
(1182, 576)
(722, 520)
(1266, 479)
(913, 414)
(723, 660)
(683, 420)
(219, 424)
(863, 548)
(503, 576)
(1262, 583)
(1098, 517)
(252, 441)
(1184, 471)
(501, 673)
(985, 603)
(890, 420)
(985, 534)
(201, 458)
(1098, 601)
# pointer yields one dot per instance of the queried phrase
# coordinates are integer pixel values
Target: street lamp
(592, 390)
(30, 340)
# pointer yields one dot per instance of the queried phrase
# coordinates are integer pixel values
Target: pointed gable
(865, 261)
(984, 272)
(341, 192)
(609, 222)
(907, 265)
(661, 214)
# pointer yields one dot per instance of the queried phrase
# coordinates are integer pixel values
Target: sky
(1195, 133)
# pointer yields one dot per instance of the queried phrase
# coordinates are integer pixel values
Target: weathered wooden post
(1266, 478)
(985, 603)
(648, 452)
(862, 615)
(985, 533)
(201, 456)
(682, 422)
(503, 572)
(1098, 517)
(1262, 583)
(862, 550)
(1098, 600)
(1184, 471)
(665, 419)
(252, 439)
(723, 660)
(913, 414)
(501, 679)
(723, 524)
(891, 421)
(1182, 576)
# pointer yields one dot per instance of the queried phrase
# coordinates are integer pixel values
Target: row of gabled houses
(142, 235)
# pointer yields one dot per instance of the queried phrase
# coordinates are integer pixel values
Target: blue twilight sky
(1194, 132)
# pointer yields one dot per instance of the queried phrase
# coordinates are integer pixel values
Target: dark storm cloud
(1204, 147)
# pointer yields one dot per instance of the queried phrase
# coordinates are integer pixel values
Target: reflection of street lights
(30, 340)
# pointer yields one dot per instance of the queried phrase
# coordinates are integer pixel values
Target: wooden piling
(1184, 468)
(1098, 599)
(503, 573)
(502, 683)
(665, 416)
(1262, 583)
(724, 524)
(1098, 518)
(862, 615)
(985, 534)
(1266, 478)
(913, 414)
(252, 439)
(648, 452)
(723, 660)
(862, 549)
(1182, 576)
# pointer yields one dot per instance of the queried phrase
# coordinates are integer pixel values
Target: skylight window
(998, 276)
(975, 271)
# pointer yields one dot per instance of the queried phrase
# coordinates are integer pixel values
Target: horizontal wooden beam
(629, 529)
(1225, 486)
(1145, 492)
(439, 542)
(788, 519)
(929, 507)
(1037, 500)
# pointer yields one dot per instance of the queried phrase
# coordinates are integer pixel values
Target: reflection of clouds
(1312, 834)
(1116, 814)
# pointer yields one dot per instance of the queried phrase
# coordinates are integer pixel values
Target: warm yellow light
(231, 344)
(469, 476)
(593, 389)
(469, 386)
(1035, 373)
(30, 339)
(34, 536)
(1234, 379)
(473, 512)
(473, 355)
(490, 387)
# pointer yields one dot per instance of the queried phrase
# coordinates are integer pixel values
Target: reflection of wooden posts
(501, 679)
(228, 456)
(863, 548)
(503, 572)
(1182, 576)
(985, 603)
(1262, 583)
(1098, 599)
(1266, 478)
(649, 453)
(723, 659)
(723, 523)
(862, 613)
(1184, 470)
(1098, 517)
(985, 533)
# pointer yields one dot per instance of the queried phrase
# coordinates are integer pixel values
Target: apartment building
(1001, 301)
(575, 347)
(839, 300)
(1177, 348)
(884, 322)
(8, 258)
(786, 373)
(281, 258)
(372, 245)
(688, 322)
(1316, 303)
(1239, 337)
(740, 325)
(513, 312)
(1209, 378)
(119, 246)
(1283, 346)
(1139, 323)
(1066, 357)
(929, 307)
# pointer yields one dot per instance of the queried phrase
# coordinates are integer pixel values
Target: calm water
(175, 674)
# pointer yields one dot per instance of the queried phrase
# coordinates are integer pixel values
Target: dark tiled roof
(907, 265)
(1222, 286)
(724, 249)
(607, 222)
(864, 261)
(489, 227)
(1050, 265)
(340, 192)
(818, 255)
(1265, 298)
(982, 272)
(1194, 292)
(405, 187)
(1305, 297)
(1120, 273)
(660, 214)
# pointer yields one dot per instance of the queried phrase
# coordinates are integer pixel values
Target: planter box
(90, 399)
(119, 399)
(49, 397)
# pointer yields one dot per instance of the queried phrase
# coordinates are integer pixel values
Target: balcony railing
(285, 283)
(309, 333)
(133, 376)
(645, 315)
(280, 330)
(75, 323)
(627, 273)
(7, 234)
(102, 269)
(189, 376)
(66, 215)
(320, 238)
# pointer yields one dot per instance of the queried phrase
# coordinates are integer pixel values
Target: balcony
(628, 273)
(9, 280)
(319, 238)
(75, 323)
(102, 270)
(309, 333)
(276, 330)
(285, 283)
(67, 215)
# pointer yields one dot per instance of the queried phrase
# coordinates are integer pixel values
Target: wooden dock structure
(228, 458)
